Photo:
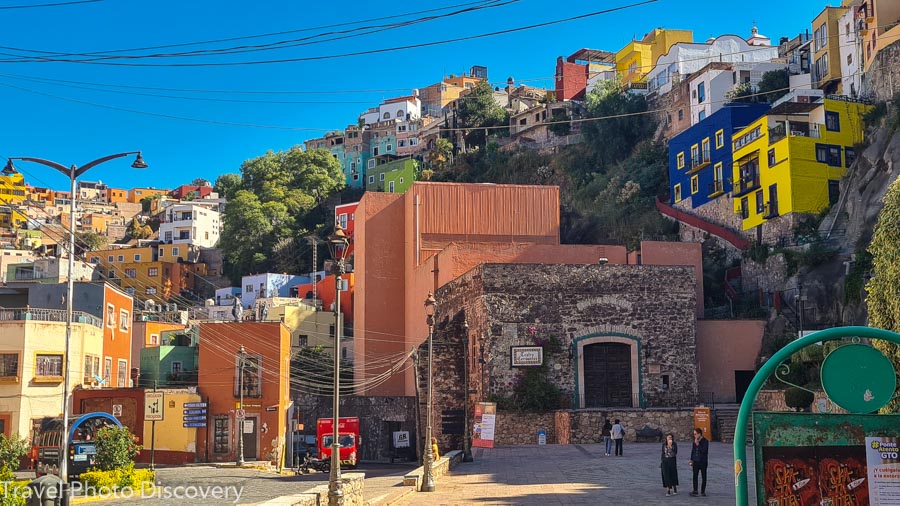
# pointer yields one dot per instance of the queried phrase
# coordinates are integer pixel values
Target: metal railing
(716, 187)
(48, 315)
(745, 186)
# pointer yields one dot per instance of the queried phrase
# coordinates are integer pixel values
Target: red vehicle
(348, 437)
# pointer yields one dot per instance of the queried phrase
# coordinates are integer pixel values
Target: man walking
(618, 434)
(699, 460)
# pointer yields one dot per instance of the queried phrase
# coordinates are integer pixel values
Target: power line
(57, 4)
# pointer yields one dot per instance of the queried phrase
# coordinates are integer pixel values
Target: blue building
(700, 157)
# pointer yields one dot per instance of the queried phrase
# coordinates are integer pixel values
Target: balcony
(810, 130)
(47, 315)
(716, 188)
(698, 162)
(770, 210)
(744, 186)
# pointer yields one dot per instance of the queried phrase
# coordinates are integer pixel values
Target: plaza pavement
(580, 474)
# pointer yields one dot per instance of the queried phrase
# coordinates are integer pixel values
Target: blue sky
(39, 125)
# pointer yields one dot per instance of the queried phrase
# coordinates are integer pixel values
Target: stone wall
(882, 80)
(514, 428)
(353, 488)
(773, 400)
(769, 276)
(584, 426)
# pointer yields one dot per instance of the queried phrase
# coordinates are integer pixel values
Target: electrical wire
(56, 4)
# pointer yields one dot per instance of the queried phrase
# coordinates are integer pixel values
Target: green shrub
(136, 479)
(798, 398)
(14, 493)
(116, 448)
(11, 450)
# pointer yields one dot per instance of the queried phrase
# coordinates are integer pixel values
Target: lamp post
(72, 172)
(428, 456)
(242, 353)
(338, 246)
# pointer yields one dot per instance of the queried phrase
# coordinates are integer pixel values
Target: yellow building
(791, 160)
(638, 57)
(135, 195)
(172, 438)
(12, 186)
(879, 27)
(115, 258)
(13, 217)
(32, 361)
(826, 59)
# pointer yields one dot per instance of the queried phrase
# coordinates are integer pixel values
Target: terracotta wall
(723, 347)
(116, 339)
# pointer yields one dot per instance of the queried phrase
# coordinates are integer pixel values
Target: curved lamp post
(72, 172)
(338, 246)
(428, 457)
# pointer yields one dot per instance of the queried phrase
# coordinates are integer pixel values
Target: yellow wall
(171, 435)
(135, 195)
(801, 181)
(12, 218)
(12, 188)
(167, 252)
(832, 47)
(302, 320)
(644, 53)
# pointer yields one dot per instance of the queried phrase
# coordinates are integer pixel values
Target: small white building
(191, 223)
(710, 86)
(851, 51)
(401, 108)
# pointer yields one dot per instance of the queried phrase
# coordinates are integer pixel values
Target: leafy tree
(138, 231)
(478, 110)
(441, 156)
(200, 182)
(883, 289)
(227, 185)
(90, 241)
(116, 448)
(774, 84)
(11, 450)
(146, 202)
(798, 398)
(560, 125)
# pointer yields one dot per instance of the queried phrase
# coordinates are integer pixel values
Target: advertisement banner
(485, 420)
(815, 475)
(883, 459)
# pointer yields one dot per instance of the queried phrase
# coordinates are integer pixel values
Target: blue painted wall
(730, 119)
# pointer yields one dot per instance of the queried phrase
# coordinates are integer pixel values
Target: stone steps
(726, 421)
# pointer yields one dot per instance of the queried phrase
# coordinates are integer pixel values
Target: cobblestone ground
(579, 474)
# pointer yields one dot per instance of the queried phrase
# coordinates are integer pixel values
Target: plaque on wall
(526, 356)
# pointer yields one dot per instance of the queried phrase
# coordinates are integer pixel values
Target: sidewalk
(579, 474)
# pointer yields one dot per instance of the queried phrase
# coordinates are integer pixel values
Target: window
(355, 176)
(401, 180)
(720, 139)
(151, 290)
(677, 192)
(704, 148)
(760, 202)
(110, 258)
(107, 370)
(342, 220)
(414, 142)
(695, 185)
(122, 374)
(680, 160)
(252, 375)
(94, 260)
(371, 179)
(221, 434)
(153, 271)
(91, 368)
(48, 365)
(371, 164)
(129, 290)
(130, 273)
(381, 176)
(110, 315)
(680, 114)
(174, 252)
(161, 252)
(176, 367)
(830, 154)
(137, 257)
(701, 116)
(121, 258)
(771, 157)
(701, 92)
(391, 187)
(123, 319)
(745, 211)
(303, 341)
(849, 156)
(9, 365)
(832, 121)
(695, 155)
(154, 339)
(386, 115)
(389, 148)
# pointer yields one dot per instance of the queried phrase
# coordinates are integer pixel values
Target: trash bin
(48, 490)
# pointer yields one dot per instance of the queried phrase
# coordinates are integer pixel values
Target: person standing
(618, 434)
(699, 460)
(669, 466)
(607, 437)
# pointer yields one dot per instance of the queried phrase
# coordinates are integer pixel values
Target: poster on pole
(883, 461)
(485, 421)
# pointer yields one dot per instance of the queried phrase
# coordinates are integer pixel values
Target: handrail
(697, 222)
(48, 315)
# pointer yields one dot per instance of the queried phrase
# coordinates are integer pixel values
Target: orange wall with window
(115, 195)
(117, 315)
(325, 290)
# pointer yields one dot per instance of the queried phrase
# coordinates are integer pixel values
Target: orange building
(117, 359)
(116, 195)
(266, 388)
(135, 195)
(410, 244)
(325, 290)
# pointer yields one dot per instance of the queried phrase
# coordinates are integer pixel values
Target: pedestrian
(669, 466)
(435, 454)
(618, 434)
(607, 437)
(699, 460)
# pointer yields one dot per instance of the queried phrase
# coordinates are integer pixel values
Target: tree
(560, 124)
(441, 156)
(11, 450)
(774, 84)
(90, 241)
(478, 110)
(116, 448)
(883, 289)
(227, 185)
(136, 230)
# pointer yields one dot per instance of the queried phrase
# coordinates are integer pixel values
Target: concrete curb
(391, 498)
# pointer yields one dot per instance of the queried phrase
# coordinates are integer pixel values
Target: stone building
(612, 337)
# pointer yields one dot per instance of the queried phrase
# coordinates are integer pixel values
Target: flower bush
(14, 493)
(116, 448)
(116, 479)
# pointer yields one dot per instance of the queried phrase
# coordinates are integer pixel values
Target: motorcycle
(312, 463)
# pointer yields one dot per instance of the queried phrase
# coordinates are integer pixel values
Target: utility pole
(240, 413)
(314, 243)
(153, 435)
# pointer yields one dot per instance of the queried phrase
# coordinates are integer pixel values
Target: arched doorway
(607, 375)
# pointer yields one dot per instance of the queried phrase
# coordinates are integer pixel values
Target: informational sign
(194, 411)
(195, 405)
(199, 418)
(117, 410)
(154, 405)
(485, 420)
(401, 439)
(193, 425)
(542, 437)
(526, 356)
(702, 421)
(248, 427)
(883, 461)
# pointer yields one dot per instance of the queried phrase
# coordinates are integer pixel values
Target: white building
(685, 58)
(710, 86)
(190, 223)
(851, 51)
(401, 108)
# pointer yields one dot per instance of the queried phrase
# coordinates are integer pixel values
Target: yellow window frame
(695, 184)
(677, 192)
(680, 159)
(720, 136)
(704, 146)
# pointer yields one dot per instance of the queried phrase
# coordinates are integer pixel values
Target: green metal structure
(740, 432)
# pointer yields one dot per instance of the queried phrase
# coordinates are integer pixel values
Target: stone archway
(608, 371)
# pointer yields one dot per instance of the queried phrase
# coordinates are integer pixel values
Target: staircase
(726, 419)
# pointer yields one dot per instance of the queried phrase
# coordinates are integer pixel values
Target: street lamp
(72, 172)
(338, 246)
(428, 457)
(242, 353)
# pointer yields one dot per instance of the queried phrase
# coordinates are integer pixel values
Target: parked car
(303, 444)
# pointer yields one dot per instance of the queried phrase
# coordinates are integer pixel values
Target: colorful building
(700, 157)
(135, 195)
(265, 389)
(190, 223)
(12, 186)
(192, 191)
(879, 26)
(116, 195)
(325, 291)
(638, 57)
(791, 159)
(826, 58)
(573, 72)
(393, 177)
(437, 96)
(345, 216)
(169, 365)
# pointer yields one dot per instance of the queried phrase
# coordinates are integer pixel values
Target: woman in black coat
(669, 466)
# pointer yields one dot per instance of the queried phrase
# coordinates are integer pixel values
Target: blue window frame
(832, 121)
(701, 92)
(828, 153)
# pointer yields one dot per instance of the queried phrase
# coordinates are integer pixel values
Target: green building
(394, 177)
(172, 364)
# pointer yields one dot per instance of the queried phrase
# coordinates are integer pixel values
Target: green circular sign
(858, 378)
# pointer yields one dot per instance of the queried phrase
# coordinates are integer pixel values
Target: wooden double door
(607, 375)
